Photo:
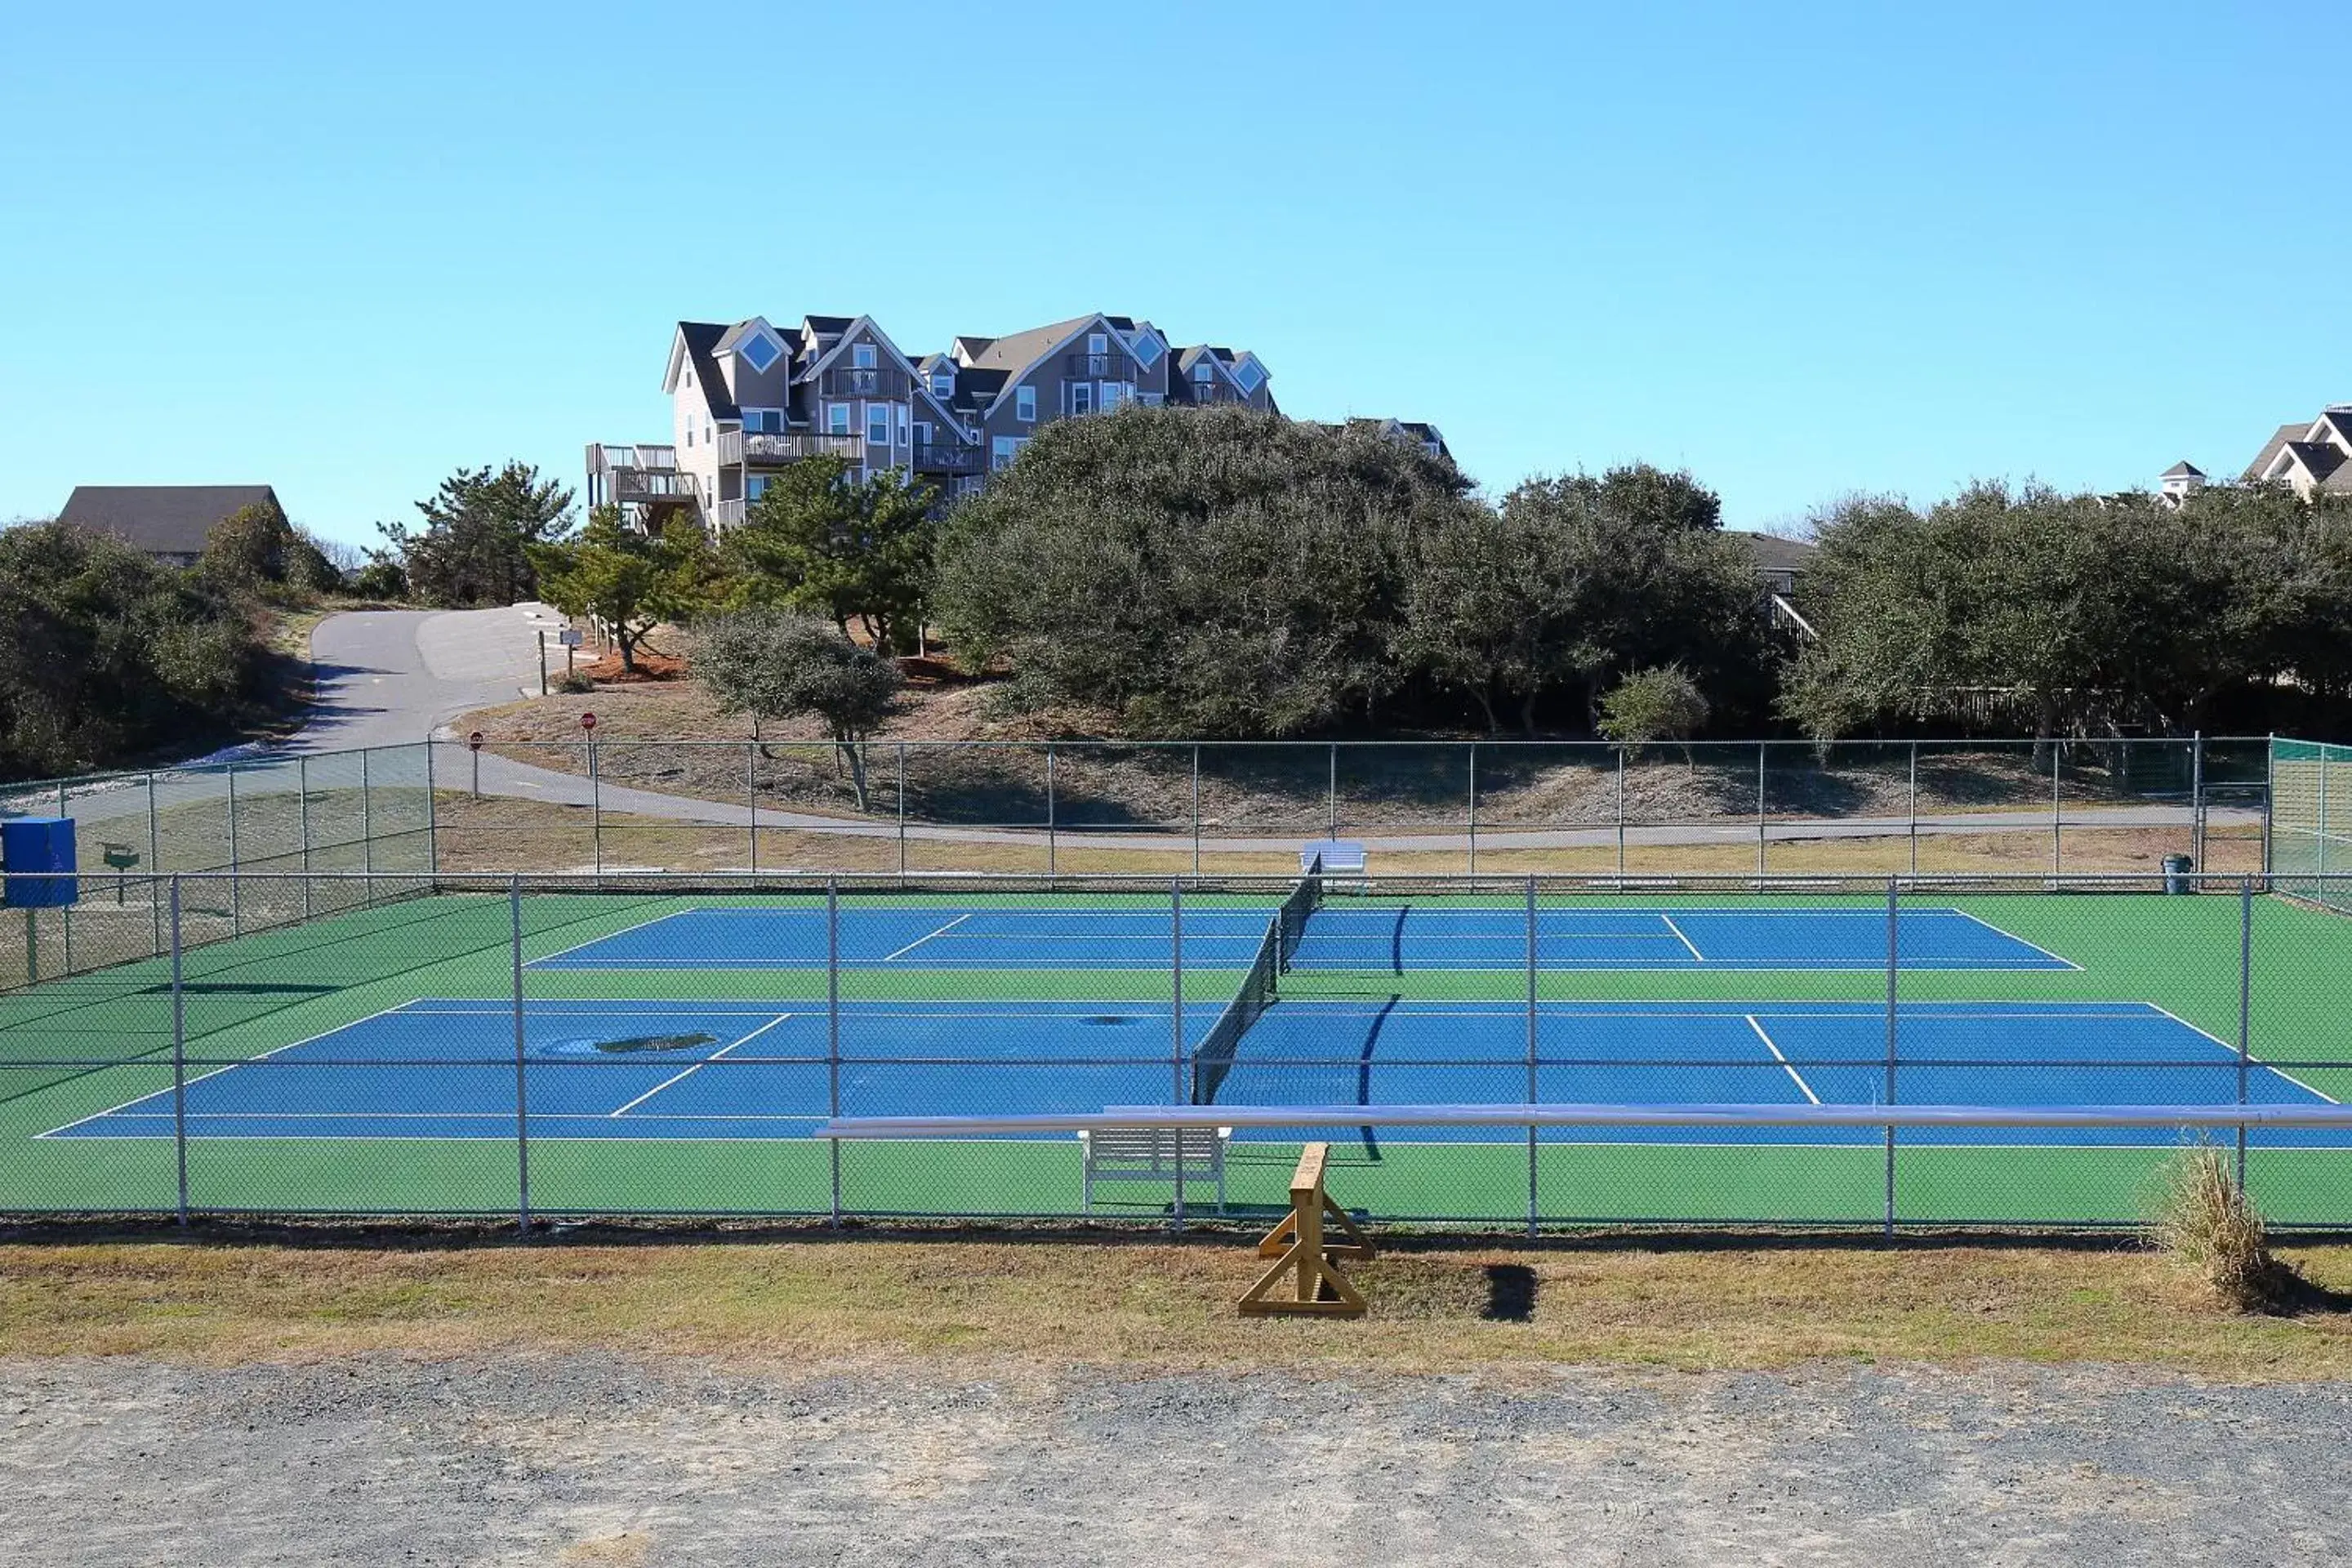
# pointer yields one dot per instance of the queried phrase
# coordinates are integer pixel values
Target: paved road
(390, 677)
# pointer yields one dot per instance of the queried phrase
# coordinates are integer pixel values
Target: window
(942, 385)
(758, 351)
(1204, 372)
(877, 424)
(1004, 448)
(922, 432)
(1147, 349)
(1081, 396)
(763, 421)
(1098, 344)
(1248, 373)
(1024, 403)
(837, 419)
(861, 356)
(1151, 399)
(1113, 394)
(689, 436)
(755, 487)
(904, 414)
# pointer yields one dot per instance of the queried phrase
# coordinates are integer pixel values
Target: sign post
(474, 746)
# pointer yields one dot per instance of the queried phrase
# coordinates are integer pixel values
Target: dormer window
(1097, 344)
(942, 385)
(1249, 375)
(1204, 372)
(758, 351)
(1147, 350)
(861, 356)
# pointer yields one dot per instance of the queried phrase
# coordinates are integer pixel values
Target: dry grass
(2205, 1219)
(815, 1301)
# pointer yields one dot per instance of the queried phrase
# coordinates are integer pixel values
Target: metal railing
(547, 1046)
(1098, 367)
(787, 445)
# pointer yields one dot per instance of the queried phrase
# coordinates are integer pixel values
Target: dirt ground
(468, 1400)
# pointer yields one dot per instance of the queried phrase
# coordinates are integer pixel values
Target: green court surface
(83, 1047)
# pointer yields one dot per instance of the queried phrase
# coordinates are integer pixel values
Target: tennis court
(1368, 934)
(668, 1069)
(679, 1042)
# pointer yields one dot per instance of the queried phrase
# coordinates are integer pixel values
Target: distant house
(1412, 432)
(2181, 482)
(167, 523)
(1779, 563)
(2312, 457)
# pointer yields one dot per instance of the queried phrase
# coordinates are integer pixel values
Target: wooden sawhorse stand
(1297, 1247)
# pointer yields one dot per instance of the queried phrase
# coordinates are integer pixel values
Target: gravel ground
(603, 1459)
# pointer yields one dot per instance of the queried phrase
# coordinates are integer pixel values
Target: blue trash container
(37, 854)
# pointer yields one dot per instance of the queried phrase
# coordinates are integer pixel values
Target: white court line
(1806, 1089)
(187, 1083)
(928, 935)
(681, 1077)
(608, 936)
(1686, 942)
(2252, 1060)
(2007, 935)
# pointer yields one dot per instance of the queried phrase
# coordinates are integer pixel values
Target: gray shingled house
(168, 524)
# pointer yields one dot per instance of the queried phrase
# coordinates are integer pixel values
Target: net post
(833, 1033)
(522, 1103)
(179, 1059)
(1176, 1095)
(1532, 1209)
(2245, 1007)
(1894, 898)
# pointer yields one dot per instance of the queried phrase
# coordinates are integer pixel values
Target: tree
(1194, 572)
(1573, 581)
(1662, 703)
(251, 549)
(775, 664)
(103, 653)
(629, 580)
(381, 578)
(822, 540)
(474, 547)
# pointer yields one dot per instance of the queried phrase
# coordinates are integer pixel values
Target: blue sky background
(1802, 250)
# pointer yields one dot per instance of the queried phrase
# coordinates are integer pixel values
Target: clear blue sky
(1801, 249)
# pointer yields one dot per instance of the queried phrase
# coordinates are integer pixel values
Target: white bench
(1340, 857)
(1155, 1154)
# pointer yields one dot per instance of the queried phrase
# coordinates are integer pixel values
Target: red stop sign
(473, 740)
(588, 721)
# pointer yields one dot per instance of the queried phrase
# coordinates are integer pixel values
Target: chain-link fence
(644, 1044)
(1773, 807)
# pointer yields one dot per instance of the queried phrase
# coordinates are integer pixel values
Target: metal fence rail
(644, 1044)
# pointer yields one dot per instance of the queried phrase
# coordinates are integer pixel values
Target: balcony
(649, 486)
(727, 514)
(737, 446)
(628, 474)
(947, 457)
(1206, 392)
(1098, 367)
(884, 385)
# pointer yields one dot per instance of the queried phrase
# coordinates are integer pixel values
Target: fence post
(596, 814)
(302, 794)
(154, 863)
(902, 811)
(1914, 808)
(2322, 814)
(1050, 859)
(833, 1031)
(1532, 1200)
(1620, 814)
(751, 795)
(2057, 838)
(1760, 867)
(2270, 802)
(1331, 797)
(1196, 808)
(236, 902)
(1473, 808)
(522, 1102)
(179, 1059)
(1893, 969)
(2196, 799)
(367, 832)
(1177, 1096)
(2245, 1007)
(433, 809)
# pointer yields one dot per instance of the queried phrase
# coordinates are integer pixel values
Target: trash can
(2177, 871)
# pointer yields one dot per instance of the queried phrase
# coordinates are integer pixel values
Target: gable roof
(162, 520)
(694, 346)
(2183, 471)
(2317, 459)
(1771, 552)
(2285, 434)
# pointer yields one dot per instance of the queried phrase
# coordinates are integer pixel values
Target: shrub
(2205, 1219)
(572, 682)
(1654, 705)
(772, 664)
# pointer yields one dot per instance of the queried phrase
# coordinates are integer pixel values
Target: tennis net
(1214, 1057)
(1303, 901)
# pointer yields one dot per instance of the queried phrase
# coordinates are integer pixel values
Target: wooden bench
(1156, 1154)
(1317, 1286)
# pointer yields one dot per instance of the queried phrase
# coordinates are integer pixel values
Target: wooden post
(1317, 1286)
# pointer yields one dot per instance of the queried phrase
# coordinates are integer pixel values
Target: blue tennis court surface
(668, 1069)
(1392, 939)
